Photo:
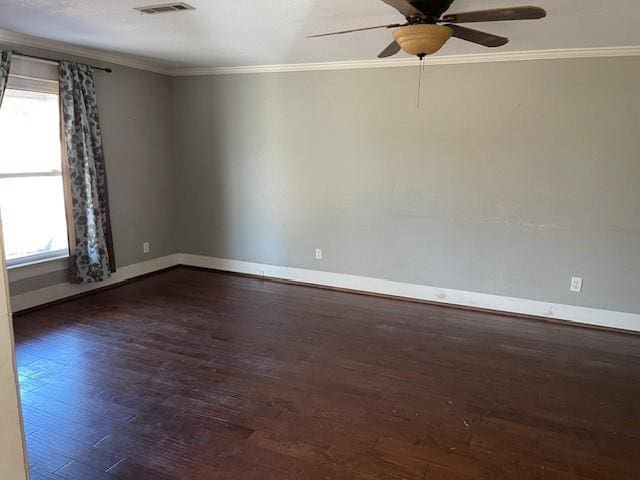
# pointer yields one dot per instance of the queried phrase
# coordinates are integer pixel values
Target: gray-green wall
(135, 113)
(509, 179)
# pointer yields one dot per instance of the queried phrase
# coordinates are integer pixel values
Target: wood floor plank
(205, 375)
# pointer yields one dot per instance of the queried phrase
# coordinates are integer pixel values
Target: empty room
(320, 240)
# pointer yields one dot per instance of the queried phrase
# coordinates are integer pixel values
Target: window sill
(36, 268)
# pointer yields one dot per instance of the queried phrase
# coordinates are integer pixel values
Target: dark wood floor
(200, 375)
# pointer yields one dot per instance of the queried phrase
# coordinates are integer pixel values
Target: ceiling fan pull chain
(420, 70)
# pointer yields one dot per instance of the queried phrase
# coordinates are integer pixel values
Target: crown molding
(565, 53)
(20, 39)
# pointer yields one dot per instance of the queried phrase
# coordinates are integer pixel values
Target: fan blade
(355, 30)
(390, 51)
(476, 36)
(405, 8)
(497, 15)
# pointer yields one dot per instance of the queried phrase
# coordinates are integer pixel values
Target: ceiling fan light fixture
(422, 39)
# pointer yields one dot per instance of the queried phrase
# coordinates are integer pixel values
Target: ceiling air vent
(165, 8)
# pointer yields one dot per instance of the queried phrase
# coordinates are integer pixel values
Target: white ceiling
(228, 33)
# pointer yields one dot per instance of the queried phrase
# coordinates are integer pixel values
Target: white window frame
(34, 76)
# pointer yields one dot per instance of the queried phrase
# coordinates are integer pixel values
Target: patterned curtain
(5, 63)
(90, 243)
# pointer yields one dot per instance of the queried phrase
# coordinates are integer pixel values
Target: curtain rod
(20, 54)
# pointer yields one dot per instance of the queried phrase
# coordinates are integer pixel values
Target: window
(31, 188)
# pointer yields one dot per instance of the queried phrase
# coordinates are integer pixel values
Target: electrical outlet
(576, 284)
(318, 254)
(145, 247)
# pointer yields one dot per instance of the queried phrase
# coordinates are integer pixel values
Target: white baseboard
(583, 315)
(64, 290)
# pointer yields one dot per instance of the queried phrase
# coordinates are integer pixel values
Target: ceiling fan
(422, 34)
